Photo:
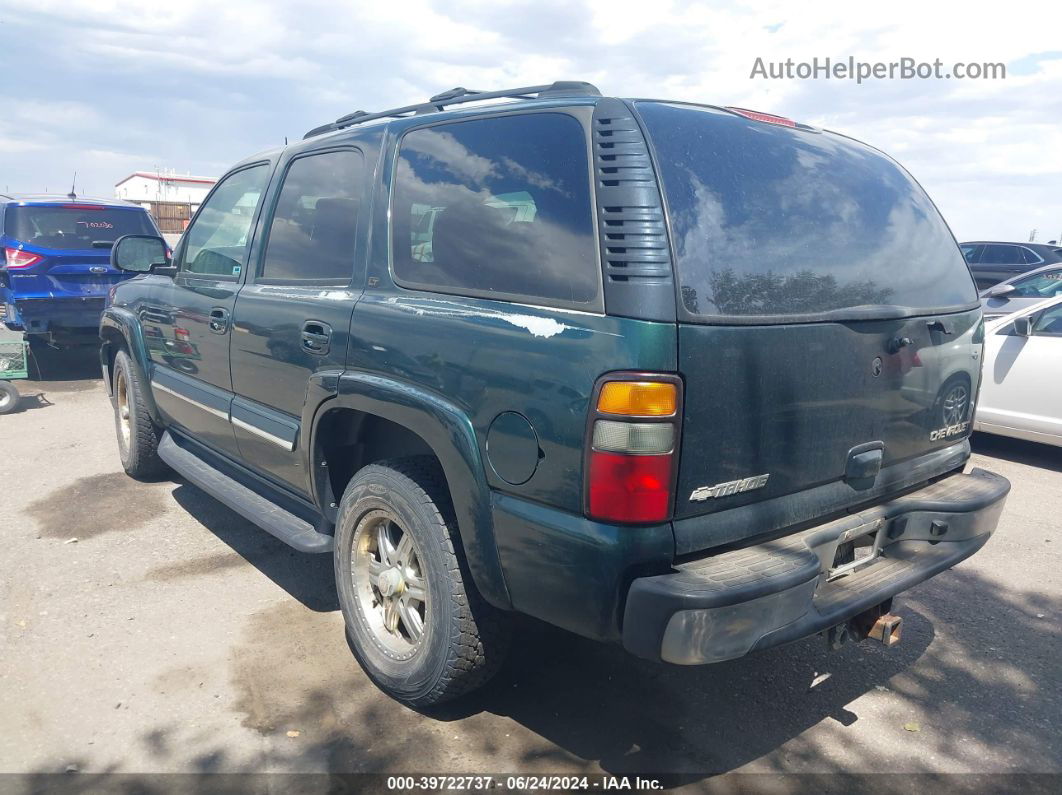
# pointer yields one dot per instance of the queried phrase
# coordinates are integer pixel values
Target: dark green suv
(696, 380)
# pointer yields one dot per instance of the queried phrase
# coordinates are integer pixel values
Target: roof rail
(459, 96)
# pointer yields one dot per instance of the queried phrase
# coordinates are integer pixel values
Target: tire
(9, 397)
(138, 436)
(463, 639)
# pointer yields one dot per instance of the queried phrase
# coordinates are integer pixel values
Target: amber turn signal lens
(638, 398)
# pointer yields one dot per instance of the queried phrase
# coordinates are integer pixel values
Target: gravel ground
(146, 628)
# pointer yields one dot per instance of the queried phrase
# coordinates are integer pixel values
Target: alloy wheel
(390, 584)
(121, 392)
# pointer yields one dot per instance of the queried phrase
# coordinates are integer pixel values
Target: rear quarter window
(1001, 255)
(311, 235)
(497, 207)
(771, 221)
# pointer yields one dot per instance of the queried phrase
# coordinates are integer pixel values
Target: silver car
(1022, 291)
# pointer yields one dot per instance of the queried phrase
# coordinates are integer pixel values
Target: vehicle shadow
(1017, 451)
(976, 666)
(53, 366)
(29, 402)
(987, 685)
(630, 716)
(308, 578)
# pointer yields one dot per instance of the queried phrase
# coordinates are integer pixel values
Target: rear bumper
(41, 315)
(725, 606)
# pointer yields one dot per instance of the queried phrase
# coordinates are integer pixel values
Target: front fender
(117, 319)
(448, 431)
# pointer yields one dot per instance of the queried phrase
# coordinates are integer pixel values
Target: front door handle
(219, 320)
(316, 337)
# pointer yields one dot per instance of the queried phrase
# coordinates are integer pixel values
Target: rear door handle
(316, 337)
(219, 320)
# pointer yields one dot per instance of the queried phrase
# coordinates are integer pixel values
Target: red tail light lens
(17, 258)
(630, 488)
(632, 447)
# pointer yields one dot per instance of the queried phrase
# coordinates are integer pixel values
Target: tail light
(17, 258)
(632, 447)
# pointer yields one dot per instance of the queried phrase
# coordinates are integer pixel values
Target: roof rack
(459, 96)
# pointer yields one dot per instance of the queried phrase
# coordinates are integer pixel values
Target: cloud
(197, 85)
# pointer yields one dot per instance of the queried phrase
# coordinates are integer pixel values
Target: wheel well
(953, 379)
(347, 440)
(113, 341)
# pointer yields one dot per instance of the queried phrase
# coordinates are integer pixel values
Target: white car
(1021, 386)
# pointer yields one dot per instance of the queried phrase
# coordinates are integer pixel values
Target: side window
(1031, 257)
(1049, 323)
(1042, 285)
(496, 207)
(1000, 255)
(216, 243)
(311, 236)
(970, 252)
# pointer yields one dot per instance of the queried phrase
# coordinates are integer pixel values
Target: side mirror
(141, 254)
(1023, 326)
(1000, 290)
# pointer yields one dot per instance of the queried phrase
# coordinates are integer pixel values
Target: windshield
(781, 222)
(74, 227)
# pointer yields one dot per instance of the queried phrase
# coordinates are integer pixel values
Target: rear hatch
(830, 334)
(72, 242)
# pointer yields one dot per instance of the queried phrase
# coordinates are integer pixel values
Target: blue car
(55, 267)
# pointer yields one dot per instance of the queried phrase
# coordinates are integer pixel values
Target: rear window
(498, 208)
(775, 221)
(74, 227)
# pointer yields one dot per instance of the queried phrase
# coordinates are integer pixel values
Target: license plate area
(858, 547)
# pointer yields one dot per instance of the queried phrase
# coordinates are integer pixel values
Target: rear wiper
(102, 243)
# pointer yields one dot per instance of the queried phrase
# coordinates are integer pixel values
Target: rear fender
(447, 430)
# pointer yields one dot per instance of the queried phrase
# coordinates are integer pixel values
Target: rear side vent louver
(634, 246)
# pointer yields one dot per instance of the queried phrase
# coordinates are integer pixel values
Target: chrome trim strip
(289, 446)
(193, 401)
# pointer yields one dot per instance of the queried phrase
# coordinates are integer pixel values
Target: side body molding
(127, 325)
(449, 433)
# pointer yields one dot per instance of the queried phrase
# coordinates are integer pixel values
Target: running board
(249, 504)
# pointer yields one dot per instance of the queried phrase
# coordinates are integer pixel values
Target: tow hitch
(877, 624)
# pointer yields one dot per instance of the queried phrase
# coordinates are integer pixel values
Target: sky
(108, 87)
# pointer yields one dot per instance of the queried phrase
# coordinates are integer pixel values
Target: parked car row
(991, 262)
